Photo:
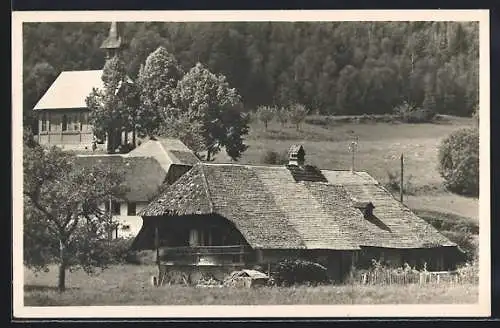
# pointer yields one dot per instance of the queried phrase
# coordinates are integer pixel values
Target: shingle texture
(272, 209)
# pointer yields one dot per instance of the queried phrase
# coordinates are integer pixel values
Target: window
(44, 122)
(115, 208)
(64, 123)
(131, 209)
(76, 123)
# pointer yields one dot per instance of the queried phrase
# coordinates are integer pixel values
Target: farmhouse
(62, 111)
(147, 168)
(223, 217)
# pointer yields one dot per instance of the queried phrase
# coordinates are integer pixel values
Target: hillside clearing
(129, 285)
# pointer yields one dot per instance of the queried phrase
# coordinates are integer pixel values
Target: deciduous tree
(112, 109)
(459, 161)
(157, 81)
(210, 101)
(297, 114)
(266, 114)
(62, 220)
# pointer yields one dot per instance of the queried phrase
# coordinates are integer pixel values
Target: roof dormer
(365, 207)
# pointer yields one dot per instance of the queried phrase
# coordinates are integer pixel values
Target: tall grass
(129, 285)
(179, 295)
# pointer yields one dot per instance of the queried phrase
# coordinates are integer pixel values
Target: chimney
(296, 155)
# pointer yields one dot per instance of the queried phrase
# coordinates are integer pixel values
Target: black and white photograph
(274, 163)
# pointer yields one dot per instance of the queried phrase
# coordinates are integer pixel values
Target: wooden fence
(386, 277)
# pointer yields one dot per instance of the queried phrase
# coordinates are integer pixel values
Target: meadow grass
(129, 285)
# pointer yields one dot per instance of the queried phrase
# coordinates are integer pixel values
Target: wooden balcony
(233, 255)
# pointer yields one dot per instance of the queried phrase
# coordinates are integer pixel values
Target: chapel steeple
(114, 42)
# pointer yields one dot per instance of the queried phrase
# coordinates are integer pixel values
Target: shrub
(419, 116)
(460, 230)
(119, 250)
(408, 113)
(459, 161)
(266, 114)
(393, 183)
(274, 158)
(465, 240)
(448, 221)
(296, 271)
(319, 120)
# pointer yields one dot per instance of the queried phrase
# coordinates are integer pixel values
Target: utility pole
(401, 179)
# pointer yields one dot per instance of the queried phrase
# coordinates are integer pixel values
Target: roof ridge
(205, 184)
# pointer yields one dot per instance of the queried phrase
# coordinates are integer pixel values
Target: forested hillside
(331, 67)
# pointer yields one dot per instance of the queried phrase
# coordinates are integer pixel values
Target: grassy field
(129, 285)
(379, 150)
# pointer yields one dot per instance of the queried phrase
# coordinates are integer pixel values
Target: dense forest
(330, 67)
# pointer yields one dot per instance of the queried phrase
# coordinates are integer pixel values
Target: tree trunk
(265, 124)
(61, 285)
(133, 137)
(208, 155)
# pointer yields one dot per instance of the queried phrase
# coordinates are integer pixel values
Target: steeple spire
(113, 42)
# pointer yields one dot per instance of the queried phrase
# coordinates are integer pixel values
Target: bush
(459, 162)
(408, 113)
(448, 221)
(419, 116)
(393, 183)
(460, 230)
(274, 158)
(289, 272)
(465, 240)
(119, 250)
(319, 120)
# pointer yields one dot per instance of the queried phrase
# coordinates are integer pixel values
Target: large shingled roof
(273, 210)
